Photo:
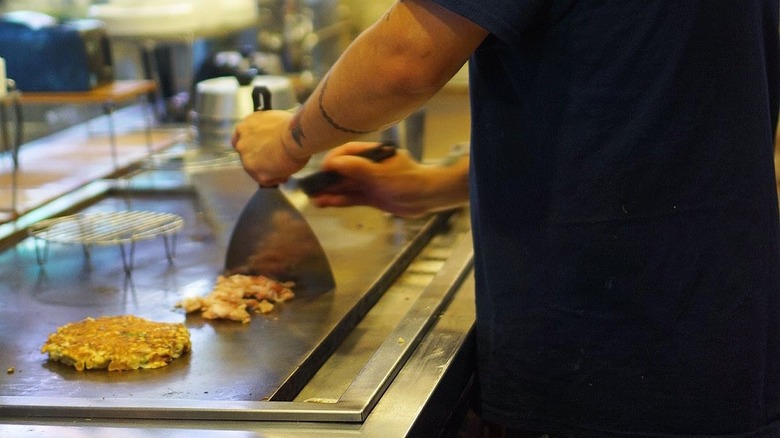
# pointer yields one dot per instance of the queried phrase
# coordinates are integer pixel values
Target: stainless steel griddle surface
(267, 358)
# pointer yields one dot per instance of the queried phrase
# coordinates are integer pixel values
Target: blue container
(42, 54)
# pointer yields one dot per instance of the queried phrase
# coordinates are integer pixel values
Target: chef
(623, 200)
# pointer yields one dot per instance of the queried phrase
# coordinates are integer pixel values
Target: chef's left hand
(258, 139)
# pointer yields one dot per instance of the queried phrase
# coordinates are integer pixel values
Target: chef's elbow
(417, 75)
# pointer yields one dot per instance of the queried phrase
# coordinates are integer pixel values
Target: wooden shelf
(108, 96)
(116, 91)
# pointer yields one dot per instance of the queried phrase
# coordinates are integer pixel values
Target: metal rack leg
(127, 259)
(41, 254)
(87, 251)
(170, 247)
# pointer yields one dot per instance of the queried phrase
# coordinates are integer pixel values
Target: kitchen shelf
(109, 96)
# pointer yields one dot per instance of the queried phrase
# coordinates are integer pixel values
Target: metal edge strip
(387, 361)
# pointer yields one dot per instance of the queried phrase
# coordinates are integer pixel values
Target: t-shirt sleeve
(506, 19)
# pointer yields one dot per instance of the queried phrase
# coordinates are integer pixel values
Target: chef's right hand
(259, 141)
(392, 185)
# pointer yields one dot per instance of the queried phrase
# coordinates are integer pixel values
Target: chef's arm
(390, 70)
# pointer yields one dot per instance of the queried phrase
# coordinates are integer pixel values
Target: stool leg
(146, 105)
(17, 144)
(108, 109)
(14, 156)
(7, 146)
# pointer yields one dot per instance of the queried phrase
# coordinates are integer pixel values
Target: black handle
(319, 181)
(261, 98)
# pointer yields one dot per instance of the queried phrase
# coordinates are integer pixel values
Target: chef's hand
(258, 139)
(392, 185)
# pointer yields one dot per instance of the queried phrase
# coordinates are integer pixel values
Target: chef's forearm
(334, 114)
(390, 70)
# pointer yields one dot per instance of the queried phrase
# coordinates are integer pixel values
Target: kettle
(220, 103)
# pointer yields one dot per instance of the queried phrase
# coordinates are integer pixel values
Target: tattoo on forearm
(327, 116)
(297, 131)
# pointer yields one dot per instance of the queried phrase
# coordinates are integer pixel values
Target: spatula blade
(272, 238)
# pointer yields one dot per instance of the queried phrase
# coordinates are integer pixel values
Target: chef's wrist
(292, 150)
(456, 153)
(292, 137)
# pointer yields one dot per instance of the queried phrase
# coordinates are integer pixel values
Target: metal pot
(220, 103)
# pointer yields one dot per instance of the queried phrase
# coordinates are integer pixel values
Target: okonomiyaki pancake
(117, 343)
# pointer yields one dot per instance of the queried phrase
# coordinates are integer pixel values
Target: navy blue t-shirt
(625, 216)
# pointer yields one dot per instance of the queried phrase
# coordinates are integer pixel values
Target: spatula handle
(261, 101)
(319, 181)
(261, 98)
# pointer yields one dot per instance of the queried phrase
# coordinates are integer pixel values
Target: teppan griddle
(269, 370)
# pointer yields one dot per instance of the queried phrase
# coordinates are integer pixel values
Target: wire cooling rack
(122, 228)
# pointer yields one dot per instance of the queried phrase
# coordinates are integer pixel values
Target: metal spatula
(272, 238)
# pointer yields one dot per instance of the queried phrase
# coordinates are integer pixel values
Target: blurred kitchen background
(179, 43)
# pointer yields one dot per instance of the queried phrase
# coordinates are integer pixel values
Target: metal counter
(387, 353)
